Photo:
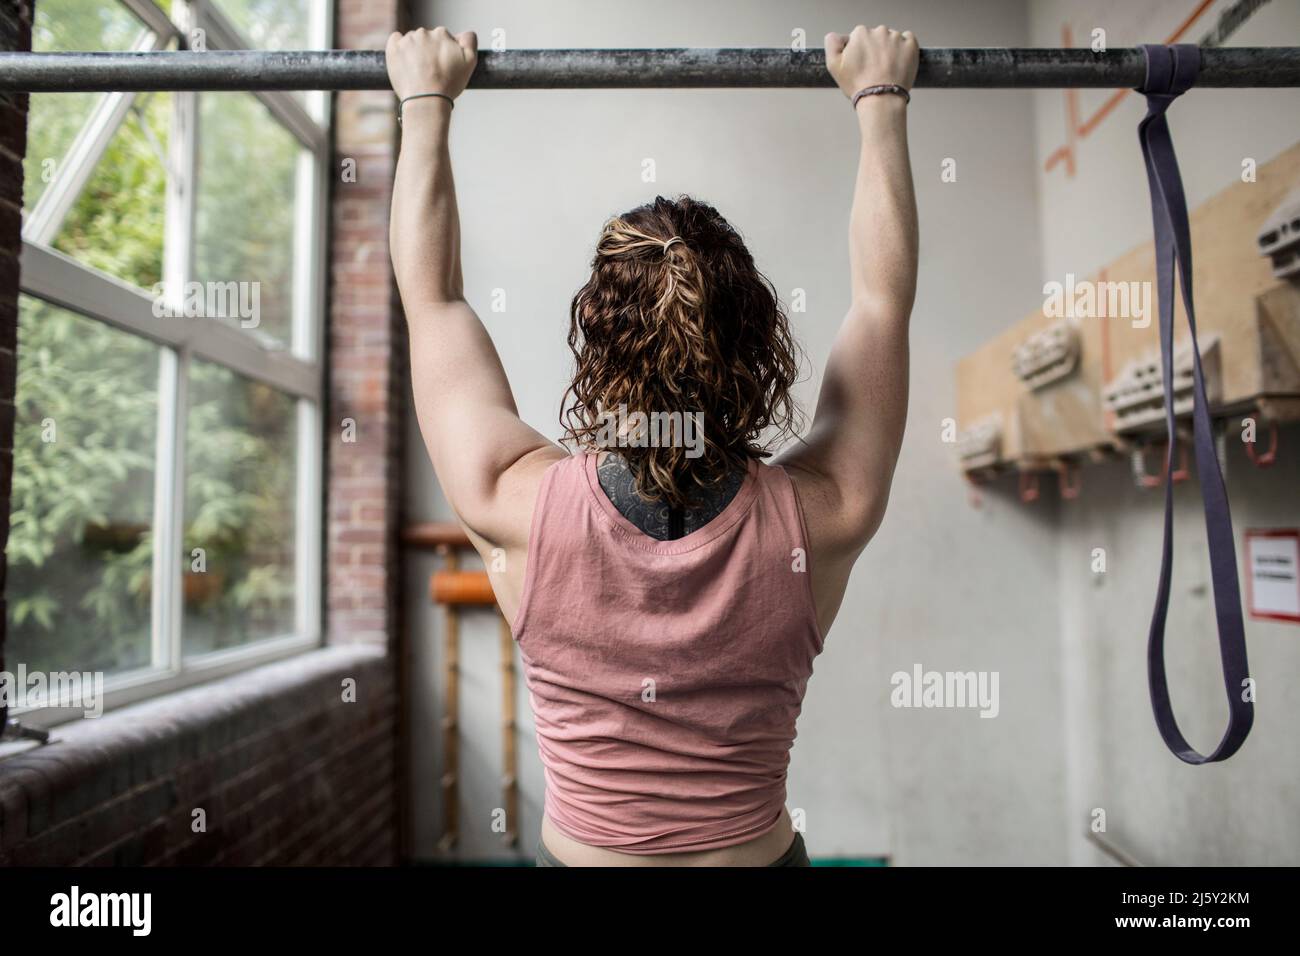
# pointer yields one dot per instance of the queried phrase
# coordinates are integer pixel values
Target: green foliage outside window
(80, 550)
(79, 547)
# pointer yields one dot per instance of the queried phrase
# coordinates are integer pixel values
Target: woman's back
(666, 675)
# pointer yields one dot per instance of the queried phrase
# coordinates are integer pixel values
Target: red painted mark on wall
(1074, 131)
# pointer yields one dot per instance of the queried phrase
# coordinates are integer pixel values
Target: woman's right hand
(431, 61)
(872, 58)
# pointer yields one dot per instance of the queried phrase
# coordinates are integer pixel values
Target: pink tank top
(665, 676)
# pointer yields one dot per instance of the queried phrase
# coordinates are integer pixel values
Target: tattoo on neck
(655, 517)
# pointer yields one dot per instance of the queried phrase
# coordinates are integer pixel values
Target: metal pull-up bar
(620, 69)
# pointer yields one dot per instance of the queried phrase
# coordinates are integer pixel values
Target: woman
(667, 588)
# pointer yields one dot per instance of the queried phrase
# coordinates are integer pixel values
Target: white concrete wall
(944, 584)
(1160, 810)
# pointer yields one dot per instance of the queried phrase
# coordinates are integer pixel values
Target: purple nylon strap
(1171, 70)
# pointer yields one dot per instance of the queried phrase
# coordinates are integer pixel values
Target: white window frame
(297, 370)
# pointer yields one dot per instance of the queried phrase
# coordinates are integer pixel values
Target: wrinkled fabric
(666, 677)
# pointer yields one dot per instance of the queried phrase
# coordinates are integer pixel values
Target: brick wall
(368, 364)
(284, 770)
(15, 34)
(368, 373)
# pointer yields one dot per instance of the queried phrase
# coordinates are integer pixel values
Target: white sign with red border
(1273, 574)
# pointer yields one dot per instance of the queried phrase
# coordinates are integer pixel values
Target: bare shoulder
(515, 498)
(836, 536)
(837, 529)
(512, 510)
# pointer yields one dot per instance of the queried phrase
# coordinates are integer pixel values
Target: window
(275, 24)
(81, 535)
(239, 511)
(55, 121)
(125, 198)
(252, 237)
(166, 505)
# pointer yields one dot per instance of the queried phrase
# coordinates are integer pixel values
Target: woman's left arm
(485, 457)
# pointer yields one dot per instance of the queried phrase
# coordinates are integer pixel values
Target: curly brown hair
(676, 318)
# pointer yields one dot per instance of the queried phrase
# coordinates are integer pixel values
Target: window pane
(117, 222)
(281, 25)
(272, 24)
(246, 202)
(240, 491)
(80, 540)
(55, 118)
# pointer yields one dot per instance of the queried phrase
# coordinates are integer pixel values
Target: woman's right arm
(488, 461)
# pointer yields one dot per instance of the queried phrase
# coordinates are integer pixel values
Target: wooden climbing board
(1255, 317)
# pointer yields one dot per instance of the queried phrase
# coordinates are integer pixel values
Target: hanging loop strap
(1171, 70)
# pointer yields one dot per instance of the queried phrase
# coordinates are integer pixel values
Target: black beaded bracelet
(882, 88)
